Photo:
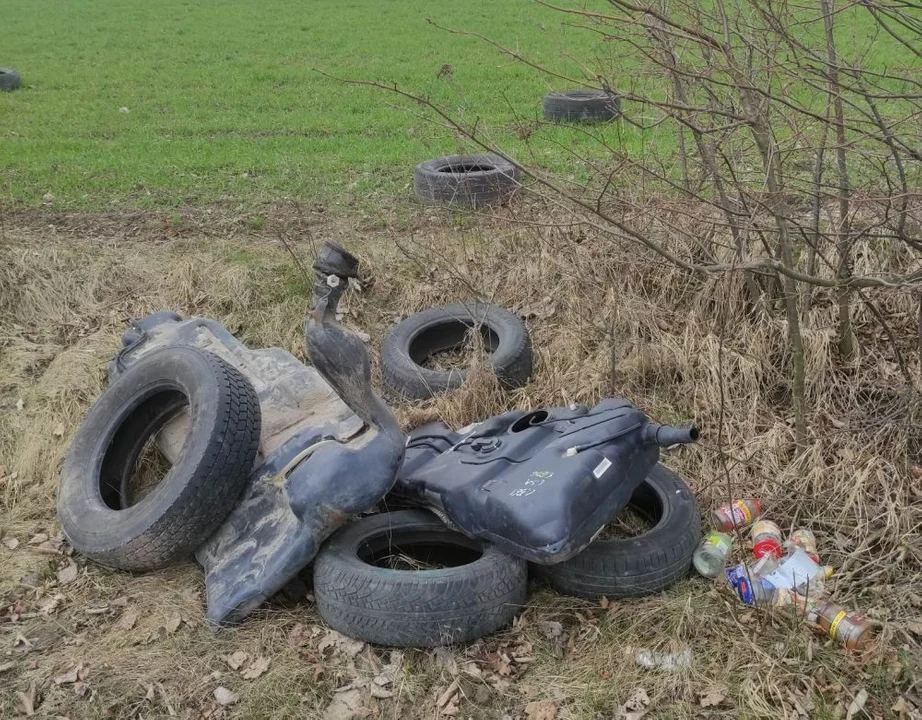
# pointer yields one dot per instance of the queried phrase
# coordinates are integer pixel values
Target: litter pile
(784, 573)
(269, 458)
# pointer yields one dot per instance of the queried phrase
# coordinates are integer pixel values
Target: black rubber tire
(9, 79)
(581, 105)
(492, 180)
(640, 565)
(196, 494)
(435, 330)
(414, 608)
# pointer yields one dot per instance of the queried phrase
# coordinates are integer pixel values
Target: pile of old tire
(466, 181)
(412, 342)
(449, 588)
(101, 514)
(9, 79)
(583, 105)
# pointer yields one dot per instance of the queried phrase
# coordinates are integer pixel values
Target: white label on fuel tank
(601, 468)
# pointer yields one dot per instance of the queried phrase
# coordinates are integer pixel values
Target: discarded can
(766, 539)
(739, 513)
(806, 541)
(711, 556)
(852, 630)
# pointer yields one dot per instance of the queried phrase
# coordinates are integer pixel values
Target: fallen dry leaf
(128, 619)
(68, 573)
(236, 659)
(11, 543)
(172, 623)
(541, 710)
(58, 430)
(550, 629)
(340, 644)
(20, 404)
(714, 696)
(256, 668)
(902, 708)
(915, 626)
(71, 676)
(26, 702)
(38, 539)
(7, 666)
(49, 604)
(857, 704)
(635, 707)
(345, 706)
(225, 696)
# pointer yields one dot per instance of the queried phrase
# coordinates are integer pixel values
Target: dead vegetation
(84, 642)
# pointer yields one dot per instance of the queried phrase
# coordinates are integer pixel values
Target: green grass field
(224, 102)
(180, 103)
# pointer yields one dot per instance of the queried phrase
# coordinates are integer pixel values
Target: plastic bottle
(852, 630)
(805, 540)
(766, 539)
(739, 513)
(711, 556)
(753, 589)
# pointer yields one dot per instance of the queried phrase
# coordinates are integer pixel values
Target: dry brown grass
(604, 320)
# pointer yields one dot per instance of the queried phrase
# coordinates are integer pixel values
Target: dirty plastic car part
(538, 484)
(329, 448)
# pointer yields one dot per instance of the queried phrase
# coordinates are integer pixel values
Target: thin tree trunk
(847, 342)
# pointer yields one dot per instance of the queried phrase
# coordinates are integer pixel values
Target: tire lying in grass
(403, 579)
(581, 106)
(9, 79)
(466, 180)
(426, 334)
(101, 511)
(642, 564)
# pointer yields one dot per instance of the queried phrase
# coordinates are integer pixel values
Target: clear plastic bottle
(711, 556)
(737, 514)
(852, 630)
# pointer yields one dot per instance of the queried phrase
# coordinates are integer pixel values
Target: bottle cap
(767, 546)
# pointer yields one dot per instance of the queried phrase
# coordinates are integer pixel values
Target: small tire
(199, 490)
(414, 608)
(426, 333)
(466, 180)
(581, 106)
(643, 564)
(9, 79)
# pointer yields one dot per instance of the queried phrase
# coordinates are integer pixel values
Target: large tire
(9, 79)
(640, 565)
(466, 180)
(581, 106)
(435, 330)
(414, 608)
(198, 491)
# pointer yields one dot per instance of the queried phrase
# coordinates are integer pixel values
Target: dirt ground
(79, 641)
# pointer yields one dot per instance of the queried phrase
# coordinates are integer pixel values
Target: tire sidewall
(85, 518)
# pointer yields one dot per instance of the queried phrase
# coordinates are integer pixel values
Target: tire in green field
(582, 105)
(9, 79)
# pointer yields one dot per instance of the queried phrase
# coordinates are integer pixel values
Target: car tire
(639, 565)
(415, 608)
(466, 180)
(585, 105)
(426, 333)
(9, 79)
(196, 494)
